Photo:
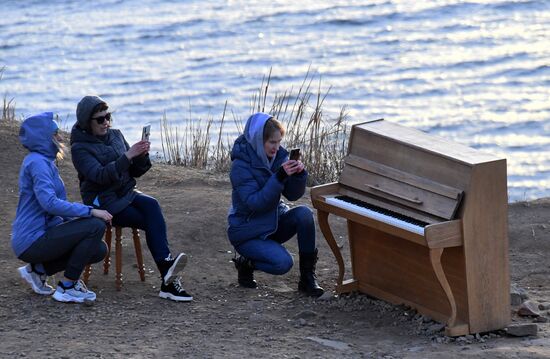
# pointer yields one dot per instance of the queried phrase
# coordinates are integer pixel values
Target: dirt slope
(225, 320)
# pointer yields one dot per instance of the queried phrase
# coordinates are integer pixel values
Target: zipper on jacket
(276, 223)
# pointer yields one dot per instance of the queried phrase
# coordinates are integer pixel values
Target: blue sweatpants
(269, 255)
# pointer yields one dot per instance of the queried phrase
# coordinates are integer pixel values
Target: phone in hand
(294, 154)
(145, 132)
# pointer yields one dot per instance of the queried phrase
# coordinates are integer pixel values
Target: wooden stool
(118, 256)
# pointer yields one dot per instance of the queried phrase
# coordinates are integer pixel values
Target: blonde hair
(61, 149)
(271, 126)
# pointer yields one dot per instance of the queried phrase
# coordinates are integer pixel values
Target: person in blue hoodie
(107, 167)
(50, 233)
(259, 221)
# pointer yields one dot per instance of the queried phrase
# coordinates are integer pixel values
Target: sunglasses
(101, 119)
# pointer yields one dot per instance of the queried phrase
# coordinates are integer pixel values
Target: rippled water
(476, 72)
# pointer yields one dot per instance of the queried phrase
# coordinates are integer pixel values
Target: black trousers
(69, 246)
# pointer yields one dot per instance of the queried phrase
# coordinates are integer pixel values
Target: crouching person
(259, 221)
(50, 233)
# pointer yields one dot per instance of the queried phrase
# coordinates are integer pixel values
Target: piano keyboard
(378, 213)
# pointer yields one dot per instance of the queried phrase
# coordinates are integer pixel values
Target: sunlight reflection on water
(473, 72)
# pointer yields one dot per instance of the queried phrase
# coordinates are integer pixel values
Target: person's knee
(151, 202)
(97, 227)
(97, 246)
(100, 252)
(151, 210)
(282, 265)
(304, 215)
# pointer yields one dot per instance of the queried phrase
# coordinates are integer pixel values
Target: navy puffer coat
(256, 196)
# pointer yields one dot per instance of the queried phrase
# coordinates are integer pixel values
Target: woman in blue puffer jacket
(47, 231)
(259, 221)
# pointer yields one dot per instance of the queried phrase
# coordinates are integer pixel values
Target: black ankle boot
(245, 270)
(308, 280)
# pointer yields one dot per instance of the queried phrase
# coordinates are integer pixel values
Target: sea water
(475, 72)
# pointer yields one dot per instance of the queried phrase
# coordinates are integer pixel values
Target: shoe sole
(174, 298)
(61, 297)
(313, 293)
(27, 278)
(66, 299)
(250, 286)
(179, 263)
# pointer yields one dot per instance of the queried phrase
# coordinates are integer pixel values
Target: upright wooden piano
(427, 225)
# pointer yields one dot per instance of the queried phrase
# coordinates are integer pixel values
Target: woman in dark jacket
(107, 167)
(259, 221)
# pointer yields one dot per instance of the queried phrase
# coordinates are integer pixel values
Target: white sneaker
(37, 281)
(77, 293)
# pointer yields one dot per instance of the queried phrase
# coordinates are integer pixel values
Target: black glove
(281, 174)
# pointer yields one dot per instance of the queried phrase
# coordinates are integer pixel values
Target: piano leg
(452, 328)
(341, 285)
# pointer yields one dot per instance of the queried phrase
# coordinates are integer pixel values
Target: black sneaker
(170, 267)
(174, 291)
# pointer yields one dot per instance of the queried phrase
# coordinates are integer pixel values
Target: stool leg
(118, 260)
(87, 272)
(139, 255)
(107, 260)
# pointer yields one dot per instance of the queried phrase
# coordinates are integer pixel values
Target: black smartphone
(294, 154)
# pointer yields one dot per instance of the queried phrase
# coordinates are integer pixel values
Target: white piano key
(375, 215)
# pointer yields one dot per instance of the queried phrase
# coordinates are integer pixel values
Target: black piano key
(381, 210)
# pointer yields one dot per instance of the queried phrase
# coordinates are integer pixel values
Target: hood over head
(254, 135)
(85, 109)
(36, 134)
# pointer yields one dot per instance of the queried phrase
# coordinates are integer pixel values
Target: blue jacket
(256, 196)
(42, 197)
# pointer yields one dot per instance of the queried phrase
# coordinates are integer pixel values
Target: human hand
(293, 166)
(138, 149)
(102, 214)
(147, 147)
(300, 167)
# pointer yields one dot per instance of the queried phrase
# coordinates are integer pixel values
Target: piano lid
(429, 143)
(409, 168)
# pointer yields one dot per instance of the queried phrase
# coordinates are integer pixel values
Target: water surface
(475, 72)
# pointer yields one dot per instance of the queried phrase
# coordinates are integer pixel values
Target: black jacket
(105, 173)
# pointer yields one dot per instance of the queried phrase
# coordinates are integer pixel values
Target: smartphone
(146, 132)
(294, 154)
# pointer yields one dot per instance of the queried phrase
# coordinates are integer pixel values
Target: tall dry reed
(191, 146)
(8, 106)
(323, 140)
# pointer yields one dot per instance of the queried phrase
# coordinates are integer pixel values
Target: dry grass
(191, 145)
(322, 140)
(8, 106)
(205, 144)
